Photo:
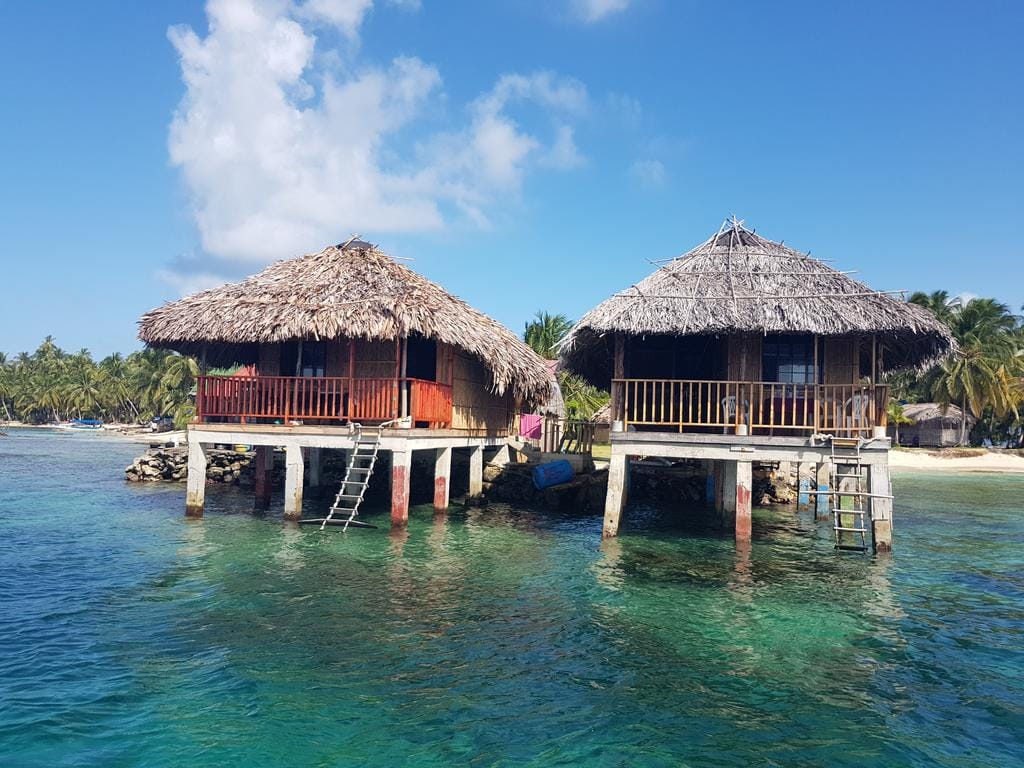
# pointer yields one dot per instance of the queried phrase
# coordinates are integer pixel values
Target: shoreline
(921, 459)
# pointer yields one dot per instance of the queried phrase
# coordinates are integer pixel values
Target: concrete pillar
(744, 493)
(822, 477)
(313, 457)
(709, 482)
(805, 474)
(615, 501)
(718, 467)
(294, 470)
(401, 469)
(442, 478)
(881, 509)
(263, 475)
(728, 495)
(195, 486)
(476, 471)
(502, 457)
(782, 475)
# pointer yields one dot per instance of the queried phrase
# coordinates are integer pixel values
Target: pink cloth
(530, 426)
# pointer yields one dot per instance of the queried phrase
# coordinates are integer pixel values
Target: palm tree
(938, 303)
(896, 416)
(986, 369)
(543, 333)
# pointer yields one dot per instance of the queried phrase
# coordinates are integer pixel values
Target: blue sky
(526, 155)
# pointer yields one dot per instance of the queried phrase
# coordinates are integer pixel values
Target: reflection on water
(496, 635)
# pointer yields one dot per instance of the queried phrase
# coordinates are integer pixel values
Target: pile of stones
(171, 465)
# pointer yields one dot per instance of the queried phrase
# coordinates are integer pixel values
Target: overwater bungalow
(341, 337)
(745, 350)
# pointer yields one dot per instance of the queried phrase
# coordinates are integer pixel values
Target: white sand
(988, 462)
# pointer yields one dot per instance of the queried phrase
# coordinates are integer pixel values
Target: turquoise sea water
(130, 636)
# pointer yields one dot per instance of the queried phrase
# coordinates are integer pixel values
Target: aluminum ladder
(850, 526)
(361, 462)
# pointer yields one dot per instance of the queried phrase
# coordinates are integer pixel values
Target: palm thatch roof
(351, 290)
(738, 282)
(949, 414)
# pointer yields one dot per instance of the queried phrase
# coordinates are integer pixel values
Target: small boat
(84, 424)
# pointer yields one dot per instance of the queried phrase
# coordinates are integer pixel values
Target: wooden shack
(745, 350)
(344, 336)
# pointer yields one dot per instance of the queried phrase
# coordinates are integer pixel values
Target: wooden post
(881, 509)
(313, 455)
(294, 471)
(619, 372)
(401, 469)
(263, 476)
(615, 501)
(744, 481)
(195, 486)
(476, 471)
(442, 478)
(822, 478)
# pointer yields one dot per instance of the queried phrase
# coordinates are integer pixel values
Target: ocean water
(130, 636)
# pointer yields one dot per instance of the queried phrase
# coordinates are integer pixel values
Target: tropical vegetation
(985, 378)
(542, 335)
(51, 384)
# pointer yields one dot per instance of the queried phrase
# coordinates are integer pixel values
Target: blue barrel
(552, 473)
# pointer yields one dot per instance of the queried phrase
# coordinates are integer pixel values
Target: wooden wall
(744, 358)
(474, 406)
(841, 363)
(375, 359)
(269, 361)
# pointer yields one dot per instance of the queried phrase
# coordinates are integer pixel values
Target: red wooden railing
(762, 406)
(430, 402)
(322, 398)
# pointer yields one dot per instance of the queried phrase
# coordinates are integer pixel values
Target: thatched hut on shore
(933, 426)
(379, 341)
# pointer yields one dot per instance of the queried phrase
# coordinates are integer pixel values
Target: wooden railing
(567, 436)
(763, 406)
(323, 398)
(430, 402)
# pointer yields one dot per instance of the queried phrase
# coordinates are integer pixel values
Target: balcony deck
(322, 400)
(752, 407)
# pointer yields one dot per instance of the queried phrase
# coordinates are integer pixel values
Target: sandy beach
(992, 461)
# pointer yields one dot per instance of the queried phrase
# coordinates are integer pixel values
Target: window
(789, 359)
(314, 359)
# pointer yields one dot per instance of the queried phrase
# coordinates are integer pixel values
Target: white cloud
(285, 146)
(649, 173)
(592, 11)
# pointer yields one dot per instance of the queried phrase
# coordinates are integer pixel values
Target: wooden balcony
(322, 399)
(763, 407)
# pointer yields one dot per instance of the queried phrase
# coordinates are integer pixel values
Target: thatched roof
(951, 415)
(351, 290)
(738, 282)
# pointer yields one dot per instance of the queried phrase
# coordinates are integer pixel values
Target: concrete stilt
(195, 487)
(615, 501)
(401, 469)
(263, 475)
(822, 478)
(295, 469)
(744, 482)
(881, 509)
(313, 458)
(442, 478)
(805, 475)
(729, 495)
(718, 470)
(476, 471)
(502, 457)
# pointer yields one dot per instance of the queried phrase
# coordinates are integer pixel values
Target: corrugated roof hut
(932, 425)
(352, 290)
(739, 283)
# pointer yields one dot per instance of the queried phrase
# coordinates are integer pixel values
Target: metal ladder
(361, 462)
(845, 465)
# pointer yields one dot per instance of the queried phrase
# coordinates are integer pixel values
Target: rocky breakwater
(171, 465)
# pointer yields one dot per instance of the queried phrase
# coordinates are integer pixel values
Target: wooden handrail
(762, 406)
(320, 398)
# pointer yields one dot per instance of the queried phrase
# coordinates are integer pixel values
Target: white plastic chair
(855, 410)
(729, 408)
